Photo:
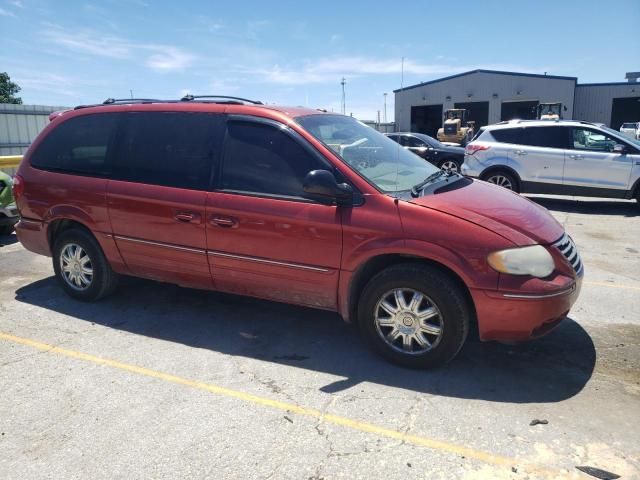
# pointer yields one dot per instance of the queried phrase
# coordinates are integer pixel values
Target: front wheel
(414, 315)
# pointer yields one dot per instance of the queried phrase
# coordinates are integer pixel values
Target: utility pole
(385, 108)
(344, 98)
(402, 74)
(131, 92)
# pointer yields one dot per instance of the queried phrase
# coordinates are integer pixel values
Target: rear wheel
(6, 229)
(81, 267)
(414, 316)
(502, 179)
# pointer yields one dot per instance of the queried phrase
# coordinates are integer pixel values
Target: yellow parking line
(611, 285)
(433, 444)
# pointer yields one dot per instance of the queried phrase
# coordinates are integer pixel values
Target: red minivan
(292, 205)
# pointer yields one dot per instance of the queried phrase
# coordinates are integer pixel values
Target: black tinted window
(508, 135)
(174, 149)
(552, 137)
(395, 138)
(78, 145)
(414, 142)
(262, 159)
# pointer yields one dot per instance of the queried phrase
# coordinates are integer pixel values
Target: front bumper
(512, 316)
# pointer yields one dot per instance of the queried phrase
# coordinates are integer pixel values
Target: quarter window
(174, 149)
(508, 135)
(587, 139)
(262, 159)
(79, 145)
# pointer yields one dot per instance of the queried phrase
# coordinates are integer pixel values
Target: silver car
(558, 157)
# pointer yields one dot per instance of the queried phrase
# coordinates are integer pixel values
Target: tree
(8, 89)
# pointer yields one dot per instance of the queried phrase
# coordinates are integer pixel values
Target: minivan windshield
(383, 162)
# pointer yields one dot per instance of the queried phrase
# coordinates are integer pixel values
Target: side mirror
(322, 186)
(619, 148)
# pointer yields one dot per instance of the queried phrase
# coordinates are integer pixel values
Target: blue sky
(296, 52)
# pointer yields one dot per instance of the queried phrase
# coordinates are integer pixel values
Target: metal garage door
(426, 119)
(478, 112)
(519, 110)
(625, 110)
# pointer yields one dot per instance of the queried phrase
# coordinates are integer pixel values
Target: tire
(457, 163)
(503, 179)
(103, 280)
(6, 229)
(443, 300)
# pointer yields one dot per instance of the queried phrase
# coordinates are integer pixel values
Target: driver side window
(414, 142)
(592, 140)
(261, 159)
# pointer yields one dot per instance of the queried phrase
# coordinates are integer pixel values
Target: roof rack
(186, 98)
(111, 101)
(225, 98)
(121, 101)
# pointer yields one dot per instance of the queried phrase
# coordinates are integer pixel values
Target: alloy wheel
(450, 166)
(408, 321)
(501, 180)
(76, 266)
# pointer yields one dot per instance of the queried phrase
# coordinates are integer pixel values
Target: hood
(508, 214)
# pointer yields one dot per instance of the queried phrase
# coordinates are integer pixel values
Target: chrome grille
(568, 248)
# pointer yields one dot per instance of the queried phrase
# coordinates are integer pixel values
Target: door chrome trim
(264, 260)
(159, 244)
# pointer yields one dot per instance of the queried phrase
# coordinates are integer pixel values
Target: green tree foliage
(8, 89)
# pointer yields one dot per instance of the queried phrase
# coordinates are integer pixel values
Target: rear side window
(262, 159)
(173, 149)
(508, 135)
(79, 145)
(551, 137)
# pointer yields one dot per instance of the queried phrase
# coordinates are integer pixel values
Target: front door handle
(223, 221)
(187, 217)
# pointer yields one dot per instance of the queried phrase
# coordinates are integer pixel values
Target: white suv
(558, 157)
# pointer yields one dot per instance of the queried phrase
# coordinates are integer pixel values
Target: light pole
(385, 108)
(344, 101)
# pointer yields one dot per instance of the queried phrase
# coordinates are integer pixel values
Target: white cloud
(6, 13)
(16, 3)
(168, 59)
(161, 58)
(328, 69)
(89, 42)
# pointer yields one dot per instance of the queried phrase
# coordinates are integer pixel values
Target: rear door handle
(223, 221)
(576, 157)
(520, 152)
(187, 217)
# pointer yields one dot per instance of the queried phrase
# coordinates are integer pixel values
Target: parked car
(631, 130)
(444, 156)
(8, 211)
(297, 206)
(564, 157)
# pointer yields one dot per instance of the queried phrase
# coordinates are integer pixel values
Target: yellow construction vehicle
(456, 128)
(549, 111)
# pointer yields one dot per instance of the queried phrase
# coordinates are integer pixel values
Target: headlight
(534, 260)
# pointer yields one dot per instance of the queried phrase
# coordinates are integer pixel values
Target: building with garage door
(492, 96)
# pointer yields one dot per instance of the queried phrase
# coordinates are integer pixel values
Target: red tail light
(18, 187)
(473, 148)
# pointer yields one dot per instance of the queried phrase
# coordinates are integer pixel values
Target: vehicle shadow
(8, 239)
(550, 369)
(592, 207)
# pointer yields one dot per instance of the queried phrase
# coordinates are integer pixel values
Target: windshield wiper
(415, 190)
